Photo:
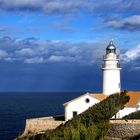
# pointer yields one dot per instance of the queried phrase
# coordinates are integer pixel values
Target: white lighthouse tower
(111, 70)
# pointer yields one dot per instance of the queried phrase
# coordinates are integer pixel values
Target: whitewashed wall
(79, 105)
(126, 111)
(111, 81)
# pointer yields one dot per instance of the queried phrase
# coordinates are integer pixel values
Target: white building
(111, 84)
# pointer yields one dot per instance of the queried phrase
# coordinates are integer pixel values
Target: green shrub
(96, 117)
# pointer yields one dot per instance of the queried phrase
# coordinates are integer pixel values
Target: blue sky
(57, 45)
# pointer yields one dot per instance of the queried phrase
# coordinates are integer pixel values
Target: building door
(74, 113)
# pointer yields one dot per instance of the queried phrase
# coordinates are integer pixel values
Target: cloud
(46, 6)
(63, 25)
(35, 51)
(117, 6)
(34, 60)
(130, 58)
(131, 54)
(54, 58)
(131, 23)
(118, 14)
(32, 50)
(67, 7)
(3, 29)
(3, 54)
(20, 5)
(25, 52)
(71, 7)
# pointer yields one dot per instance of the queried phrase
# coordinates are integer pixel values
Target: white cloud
(25, 52)
(134, 20)
(129, 23)
(54, 58)
(46, 6)
(3, 54)
(20, 3)
(68, 58)
(131, 54)
(39, 51)
(35, 60)
(9, 59)
(136, 68)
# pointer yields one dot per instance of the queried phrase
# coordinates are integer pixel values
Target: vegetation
(93, 124)
(134, 115)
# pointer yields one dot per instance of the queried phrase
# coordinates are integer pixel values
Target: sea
(16, 107)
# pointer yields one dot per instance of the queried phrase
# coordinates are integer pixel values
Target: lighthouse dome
(111, 48)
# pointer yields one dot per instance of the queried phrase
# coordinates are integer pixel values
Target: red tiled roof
(98, 96)
(133, 102)
(134, 98)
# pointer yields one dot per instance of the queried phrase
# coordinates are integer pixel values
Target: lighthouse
(111, 84)
(111, 70)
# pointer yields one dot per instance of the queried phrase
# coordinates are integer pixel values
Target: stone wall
(124, 129)
(119, 128)
(39, 125)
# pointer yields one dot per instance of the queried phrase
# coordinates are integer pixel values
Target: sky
(57, 45)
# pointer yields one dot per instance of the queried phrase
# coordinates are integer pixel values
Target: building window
(87, 100)
(74, 113)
